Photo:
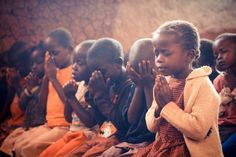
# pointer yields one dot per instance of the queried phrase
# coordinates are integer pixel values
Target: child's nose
(160, 58)
(219, 57)
(34, 66)
(74, 66)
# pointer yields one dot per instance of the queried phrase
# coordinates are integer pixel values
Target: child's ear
(119, 61)
(190, 55)
(71, 49)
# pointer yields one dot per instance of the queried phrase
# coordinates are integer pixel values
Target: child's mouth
(162, 69)
(221, 64)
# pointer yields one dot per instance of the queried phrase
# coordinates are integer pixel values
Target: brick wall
(125, 20)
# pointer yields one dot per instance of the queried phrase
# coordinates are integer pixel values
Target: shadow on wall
(125, 20)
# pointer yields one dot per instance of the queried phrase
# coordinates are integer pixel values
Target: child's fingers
(94, 75)
(140, 69)
(164, 84)
(144, 67)
(99, 75)
(134, 73)
(158, 97)
(160, 88)
(108, 81)
(154, 72)
(163, 79)
(148, 67)
(91, 81)
(128, 66)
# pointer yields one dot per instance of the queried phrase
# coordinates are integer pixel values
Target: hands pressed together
(145, 74)
(162, 91)
(50, 69)
(98, 84)
(70, 88)
(32, 81)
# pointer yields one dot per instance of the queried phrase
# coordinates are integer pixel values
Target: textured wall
(125, 20)
(31, 20)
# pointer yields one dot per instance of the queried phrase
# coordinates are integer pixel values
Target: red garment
(170, 142)
(227, 115)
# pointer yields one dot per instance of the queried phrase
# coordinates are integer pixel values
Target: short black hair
(63, 37)
(186, 32)
(206, 52)
(106, 48)
(228, 36)
(85, 43)
(39, 47)
(19, 50)
(142, 49)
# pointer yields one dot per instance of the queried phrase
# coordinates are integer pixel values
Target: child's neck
(231, 71)
(122, 78)
(66, 64)
(183, 74)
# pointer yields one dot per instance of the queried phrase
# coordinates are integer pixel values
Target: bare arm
(73, 105)
(43, 95)
(148, 92)
(84, 115)
(135, 105)
(59, 89)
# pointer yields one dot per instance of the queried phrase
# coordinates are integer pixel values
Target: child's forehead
(79, 55)
(222, 42)
(51, 43)
(100, 62)
(164, 39)
(37, 54)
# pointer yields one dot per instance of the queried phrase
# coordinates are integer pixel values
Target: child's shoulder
(219, 82)
(200, 78)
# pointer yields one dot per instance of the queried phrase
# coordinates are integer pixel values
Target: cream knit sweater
(198, 122)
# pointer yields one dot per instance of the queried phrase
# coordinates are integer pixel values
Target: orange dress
(55, 107)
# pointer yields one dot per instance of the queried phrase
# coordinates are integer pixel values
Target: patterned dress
(170, 142)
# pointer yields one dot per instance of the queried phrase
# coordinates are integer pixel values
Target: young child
(111, 91)
(140, 68)
(184, 118)
(17, 69)
(34, 113)
(207, 57)
(77, 110)
(4, 109)
(59, 44)
(225, 52)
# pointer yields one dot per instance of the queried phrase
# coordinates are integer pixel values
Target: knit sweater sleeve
(151, 120)
(204, 111)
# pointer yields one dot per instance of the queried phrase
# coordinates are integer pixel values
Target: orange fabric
(143, 152)
(64, 145)
(17, 118)
(93, 147)
(55, 107)
(17, 115)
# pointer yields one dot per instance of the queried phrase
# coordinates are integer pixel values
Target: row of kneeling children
(85, 101)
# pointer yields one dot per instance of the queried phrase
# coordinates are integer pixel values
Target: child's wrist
(31, 91)
(27, 92)
(99, 95)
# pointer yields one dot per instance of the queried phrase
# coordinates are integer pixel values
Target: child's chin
(164, 73)
(221, 68)
(77, 79)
